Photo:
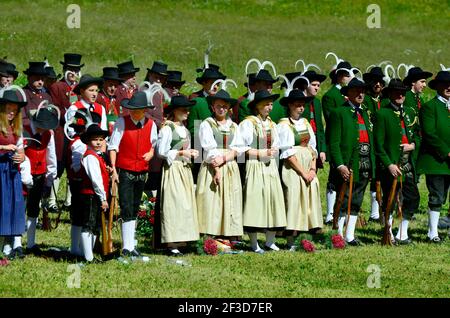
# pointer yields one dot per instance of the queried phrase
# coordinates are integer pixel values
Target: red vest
(134, 144)
(37, 153)
(71, 174)
(86, 183)
(98, 109)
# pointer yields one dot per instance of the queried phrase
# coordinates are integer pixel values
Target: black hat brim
(94, 80)
(286, 100)
(345, 89)
(72, 65)
(47, 124)
(160, 73)
(433, 83)
(415, 77)
(171, 108)
(4, 101)
(272, 97)
(200, 80)
(85, 137)
(212, 98)
(126, 104)
(176, 82)
(110, 78)
(43, 73)
(130, 71)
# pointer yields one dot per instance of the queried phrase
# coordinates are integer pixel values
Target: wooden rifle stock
(112, 211)
(337, 206)
(349, 201)
(387, 240)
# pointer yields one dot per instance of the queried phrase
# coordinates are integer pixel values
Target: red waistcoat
(86, 183)
(134, 144)
(37, 153)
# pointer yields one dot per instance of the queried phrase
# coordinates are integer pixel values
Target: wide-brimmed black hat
(45, 118)
(127, 68)
(374, 75)
(93, 130)
(251, 79)
(137, 101)
(72, 59)
(223, 95)
(312, 76)
(301, 82)
(51, 73)
(174, 77)
(210, 73)
(441, 76)
(354, 83)
(111, 73)
(36, 68)
(343, 64)
(10, 69)
(159, 68)
(415, 74)
(3, 69)
(12, 96)
(87, 80)
(264, 75)
(211, 66)
(262, 95)
(295, 95)
(179, 101)
(395, 84)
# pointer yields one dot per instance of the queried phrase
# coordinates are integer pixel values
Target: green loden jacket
(435, 125)
(331, 100)
(320, 133)
(344, 138)
(388, 135)
(200, 111)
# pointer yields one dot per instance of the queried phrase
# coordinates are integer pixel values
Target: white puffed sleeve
(286, 138)
(164, 141)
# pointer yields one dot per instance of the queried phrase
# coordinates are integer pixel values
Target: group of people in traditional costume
(220, 166)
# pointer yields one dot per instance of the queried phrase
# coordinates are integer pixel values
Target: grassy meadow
(178, 32)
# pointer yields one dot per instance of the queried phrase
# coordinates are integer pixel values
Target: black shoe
(403, 242)
(35, 250)
(355, 242)
(435, 240)
(373, 220)
(174, 252)
(329, 222)
(18, 252)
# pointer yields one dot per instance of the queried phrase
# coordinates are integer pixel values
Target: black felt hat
(137, 101)
(179, 101)
(354, 83)
(159, 68)
(374, 75)
(264, 75)
(312, 76)
(223, 95)
(210, 73)
(442, 76)
(211, 66)
(87, 80)
(251, 79)
(301, 82)
(51, 73)
(127, 68)
(12, 96)
(295, 95)
(36, 68)
(415, 74)
(395, 84)
(343, 64)
(72, 59)
(111, 73)
(262, 95)
(46, 118)
(174, 77)
(93, 130)
(10, 69)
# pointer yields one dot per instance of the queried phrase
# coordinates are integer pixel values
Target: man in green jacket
(332, 100)
(396, 134)
(351, 151)
(373, 103)
(416, 80)
(434, 157)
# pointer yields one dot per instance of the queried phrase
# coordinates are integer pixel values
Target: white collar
(70, 84)
(338, 86)
(142, 121)
(353, 105)
(85, 103)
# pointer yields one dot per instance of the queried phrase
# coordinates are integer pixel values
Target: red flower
(308, 246)
(142, 214)
(210, 247)
(152, 212)
(151, 220)
(338, 241)
(152, 199)
(4, 262)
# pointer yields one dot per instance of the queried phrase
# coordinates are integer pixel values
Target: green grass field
(178, 32)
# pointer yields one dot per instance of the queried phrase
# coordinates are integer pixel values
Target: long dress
(302, 201)
(264, 207)
(178, 206)
(12, 204)
(219, 207)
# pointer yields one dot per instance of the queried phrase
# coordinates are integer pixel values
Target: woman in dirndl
(12, 205)
(264, 209)
(219, 190)
(179, 222)
(300, 182)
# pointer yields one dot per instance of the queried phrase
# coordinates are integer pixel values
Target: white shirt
(445, 101)
(246, 129)
(50, 157)
(92, 167)
(78, 149)
(70, 114)
(119, 128)
(287, 140)
(164, 141)
(209, 143)
(25, 173)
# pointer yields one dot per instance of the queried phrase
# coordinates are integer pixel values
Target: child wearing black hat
(94, 187)
(107, 95)
(128, 86)
(42, 154)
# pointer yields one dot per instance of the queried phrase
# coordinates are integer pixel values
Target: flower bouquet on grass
(146, 217)
(3, 260)
(210, 246)
(305, 243)
(333, 240)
